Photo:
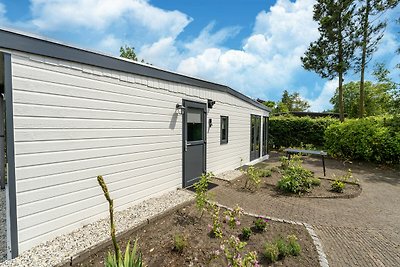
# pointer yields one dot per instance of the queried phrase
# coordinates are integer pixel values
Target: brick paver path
(363, 231)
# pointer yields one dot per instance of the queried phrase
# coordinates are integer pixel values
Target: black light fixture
(210, 103)
(179, 109)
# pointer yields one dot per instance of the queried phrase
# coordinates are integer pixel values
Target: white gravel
(3, 226)
(229, 175)
(62, 248)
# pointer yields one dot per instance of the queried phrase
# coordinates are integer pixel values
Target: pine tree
(371, 32)
(333, 53)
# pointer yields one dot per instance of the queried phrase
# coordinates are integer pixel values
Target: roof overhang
(23, 42)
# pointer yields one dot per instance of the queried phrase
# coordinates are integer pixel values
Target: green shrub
(290, 131)
(374, 139)
(246, 233)
(293, 245)
(271, 252)
(180, 243)
(295, 178)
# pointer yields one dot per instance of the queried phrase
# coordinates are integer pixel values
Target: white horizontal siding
(73, 122)
(69, 128)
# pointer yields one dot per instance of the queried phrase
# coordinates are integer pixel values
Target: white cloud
(270, 56)
(110, 43)
(322, 103)
(207, 39)
(98, 15)
(3, 12)
(163, 53)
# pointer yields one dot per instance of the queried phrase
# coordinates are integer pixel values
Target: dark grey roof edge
(13, 40)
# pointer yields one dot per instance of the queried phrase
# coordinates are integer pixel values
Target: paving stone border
(323, 261)
(354, 195)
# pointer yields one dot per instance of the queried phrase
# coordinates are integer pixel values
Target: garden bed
(268, 185)
(156, 241)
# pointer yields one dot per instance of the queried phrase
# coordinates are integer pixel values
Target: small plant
(202, 196)
(180, 243)
(131, 258)
(215, 227)
(233, 248)
(293, 245)
(271, 252)
(282, 247)
(338, 186)
(253, 178)
(246, 233)
(260, 224)
(265, 172)
(232, 218)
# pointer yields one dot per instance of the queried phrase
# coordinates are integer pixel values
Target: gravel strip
(3, 226)
(229, 175)
(61, 249)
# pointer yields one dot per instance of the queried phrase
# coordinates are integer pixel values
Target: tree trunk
(340, 67)
(363, 59)
(341, 106)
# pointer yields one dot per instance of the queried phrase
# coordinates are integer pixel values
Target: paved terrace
(363, 231)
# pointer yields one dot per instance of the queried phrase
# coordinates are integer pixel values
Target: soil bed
(156, 241)
(268, 185)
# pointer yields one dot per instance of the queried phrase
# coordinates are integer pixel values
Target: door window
(194, 124)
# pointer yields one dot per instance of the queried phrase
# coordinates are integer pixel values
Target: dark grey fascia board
(12, 40)
(8, 93)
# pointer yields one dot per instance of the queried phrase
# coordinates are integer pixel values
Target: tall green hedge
(375, 139)
(291, 131)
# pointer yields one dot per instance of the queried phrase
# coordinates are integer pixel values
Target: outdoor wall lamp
(179, 109)
(210, 103)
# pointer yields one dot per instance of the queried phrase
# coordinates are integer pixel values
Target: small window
(224, 129)
(194, 125)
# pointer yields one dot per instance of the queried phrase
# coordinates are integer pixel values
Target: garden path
(363, 231)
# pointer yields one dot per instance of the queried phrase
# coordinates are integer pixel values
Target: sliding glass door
(255, 132)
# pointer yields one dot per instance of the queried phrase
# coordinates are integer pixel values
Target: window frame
(226, 119)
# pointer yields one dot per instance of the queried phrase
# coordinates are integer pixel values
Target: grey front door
(194, 142)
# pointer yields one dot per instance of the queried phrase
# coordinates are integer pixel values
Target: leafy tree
(378, 99)
(381, 73)
(371, 32)
(269, 103)
(332, 54)
(128, 52)
(292, 102)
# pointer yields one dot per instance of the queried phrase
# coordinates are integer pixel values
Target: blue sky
(253, 46)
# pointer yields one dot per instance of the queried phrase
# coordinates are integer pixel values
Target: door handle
(186, 144)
